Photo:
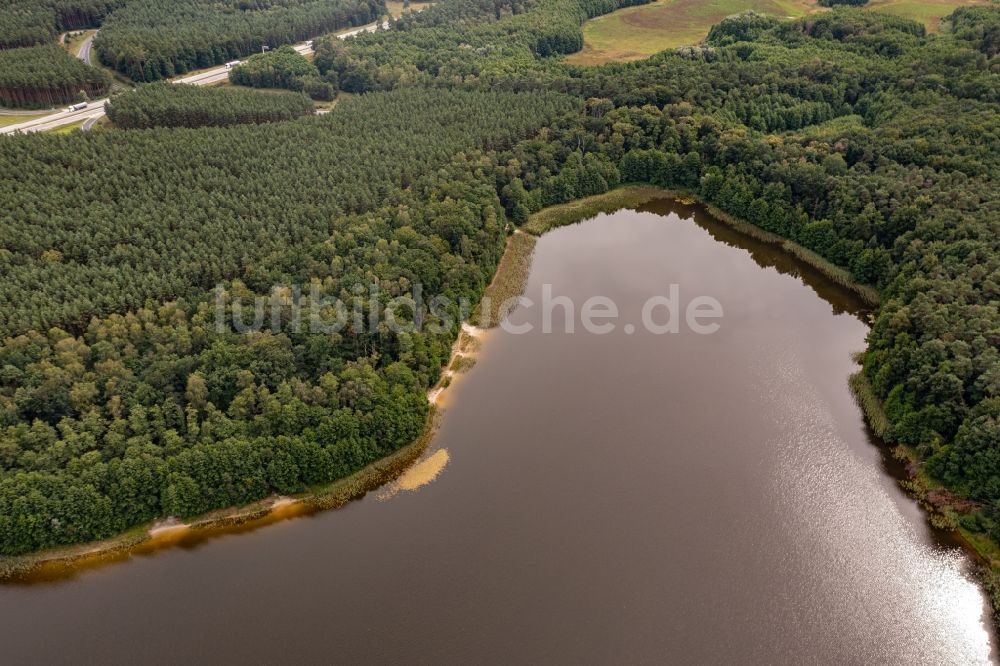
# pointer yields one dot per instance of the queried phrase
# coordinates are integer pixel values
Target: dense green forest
(45, 76)
(149, 40)
(34, 70)
(34, 22)
(284, 67)
(88, 232)
(462, 41)
(854, 134)
(157, 411)
(178, 105)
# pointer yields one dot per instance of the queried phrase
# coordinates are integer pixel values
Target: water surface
(588, 498)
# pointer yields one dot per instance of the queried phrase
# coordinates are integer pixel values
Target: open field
(928, 12)
(639, 32)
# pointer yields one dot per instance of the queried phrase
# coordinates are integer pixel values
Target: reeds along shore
(512, 274)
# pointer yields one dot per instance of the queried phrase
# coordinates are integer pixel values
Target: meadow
(639, 32)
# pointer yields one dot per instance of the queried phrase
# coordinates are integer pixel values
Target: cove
(587, 498)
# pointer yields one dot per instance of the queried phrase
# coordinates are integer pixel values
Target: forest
(47, 75)
(178, 105)
(34, 70)
(149, 40)
(462, 41)
(34, 22)
(284, 67)
(155, 411)
(854, 134)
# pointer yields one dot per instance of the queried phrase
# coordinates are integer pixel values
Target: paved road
(58, 119)
(84, 52)
(96, 109)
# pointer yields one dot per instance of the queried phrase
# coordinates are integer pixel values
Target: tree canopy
(45, 76)
(856, 135)
(283, 67)
(34, 22)
(179, 105)
(149, 40)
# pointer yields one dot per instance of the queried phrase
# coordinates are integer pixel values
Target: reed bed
(508, 282)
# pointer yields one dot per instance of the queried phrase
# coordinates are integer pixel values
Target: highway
(95, 109)
(58, 119)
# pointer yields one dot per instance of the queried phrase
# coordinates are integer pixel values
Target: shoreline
(508, 281)
(631, 195)
(941, 509)
(63, 562)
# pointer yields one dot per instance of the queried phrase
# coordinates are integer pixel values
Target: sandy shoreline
(62, 562)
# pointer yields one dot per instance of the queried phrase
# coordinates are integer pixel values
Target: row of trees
(149, 40)
(283, 67)
(177, 105)
(45, 76)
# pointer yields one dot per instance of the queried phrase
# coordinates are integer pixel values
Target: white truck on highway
(78, 107)
(231, 64)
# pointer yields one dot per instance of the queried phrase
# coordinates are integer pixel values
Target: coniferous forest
(46, 76)
(284, 68)
(854, 134)
(148, 40)
(33, 22)
(178, 105)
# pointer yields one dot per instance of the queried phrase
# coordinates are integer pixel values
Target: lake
(623, 497)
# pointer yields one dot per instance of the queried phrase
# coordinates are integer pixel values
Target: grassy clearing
(14, 119)
(396, 8)
(639, 32)
(66, 129)
(327, 107)
(928, 12)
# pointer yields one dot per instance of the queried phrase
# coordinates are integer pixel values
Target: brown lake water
(617, 498)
